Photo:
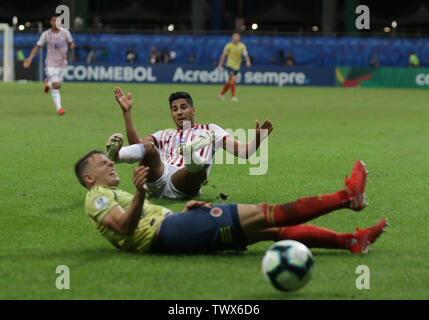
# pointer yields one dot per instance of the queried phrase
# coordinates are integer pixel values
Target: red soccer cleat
(363, 238)
(355, 186)
(61, 112)
(46, 89)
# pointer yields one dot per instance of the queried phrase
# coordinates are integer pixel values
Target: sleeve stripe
(156, 141)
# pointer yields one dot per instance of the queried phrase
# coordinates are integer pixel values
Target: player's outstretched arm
(246, 150)
(126, 103)
(125, 222)
(34, 51)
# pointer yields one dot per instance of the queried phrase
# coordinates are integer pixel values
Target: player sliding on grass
(132, 224)
(179, 160)
(58, 40)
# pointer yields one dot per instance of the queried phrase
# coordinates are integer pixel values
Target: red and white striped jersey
(168, 140)
(57, 44)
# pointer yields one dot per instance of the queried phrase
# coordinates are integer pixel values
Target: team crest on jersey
(101, 202)
(216, 212)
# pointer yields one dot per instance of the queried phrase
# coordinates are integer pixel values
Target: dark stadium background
(333, 17)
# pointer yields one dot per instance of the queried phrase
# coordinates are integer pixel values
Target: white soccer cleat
(113, 145)
(221, 97)
(235, 99)
(204, 139)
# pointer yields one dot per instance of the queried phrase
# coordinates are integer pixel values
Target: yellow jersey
(234, 53)
(100, 200)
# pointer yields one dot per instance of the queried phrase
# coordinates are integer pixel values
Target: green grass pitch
(318, 134)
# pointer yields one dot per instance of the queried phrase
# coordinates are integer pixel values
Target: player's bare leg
(146, 153)
(190, 179)
(189, 182)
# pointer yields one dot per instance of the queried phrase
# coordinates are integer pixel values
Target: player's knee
(56, 85)
(150, 148)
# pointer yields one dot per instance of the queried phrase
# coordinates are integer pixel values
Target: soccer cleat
(363, 238)
(113, 145)
(221, 97)
(61, 111)
(234, 99)
(46, 89)
(204, 139)
(355, 186)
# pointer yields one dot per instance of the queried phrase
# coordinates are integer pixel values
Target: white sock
(195, 162)
(132, 153)
(57, 98)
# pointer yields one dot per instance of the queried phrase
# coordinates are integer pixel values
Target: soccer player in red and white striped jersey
(179, 159)
(58, 40)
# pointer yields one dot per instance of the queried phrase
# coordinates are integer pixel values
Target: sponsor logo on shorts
(216, 212)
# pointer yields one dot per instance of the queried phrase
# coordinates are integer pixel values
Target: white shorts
(55, 74)
(163, 187)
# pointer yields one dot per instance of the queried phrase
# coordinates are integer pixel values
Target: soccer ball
(287, 265)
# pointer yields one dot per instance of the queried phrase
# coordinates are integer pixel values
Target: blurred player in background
(58, 40)
(233, 50)
(179, 159)
(132, 224)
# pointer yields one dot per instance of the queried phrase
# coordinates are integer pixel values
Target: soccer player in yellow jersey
(234, 51)
(133, 224)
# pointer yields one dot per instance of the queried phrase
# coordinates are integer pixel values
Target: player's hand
(124, 101)
(27, 62)
(263, 130)
(219, 67)
(140, 178)
(196, 204)
(248, 64)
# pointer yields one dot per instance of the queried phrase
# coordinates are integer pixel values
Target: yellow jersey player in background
(234, 50)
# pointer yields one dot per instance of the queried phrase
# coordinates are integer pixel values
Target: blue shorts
(231, 71)
(202, 230)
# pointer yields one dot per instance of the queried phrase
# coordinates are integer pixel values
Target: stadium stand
(310, 51)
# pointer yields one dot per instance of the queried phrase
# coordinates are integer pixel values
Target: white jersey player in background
(58, 40)
(179, 159)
